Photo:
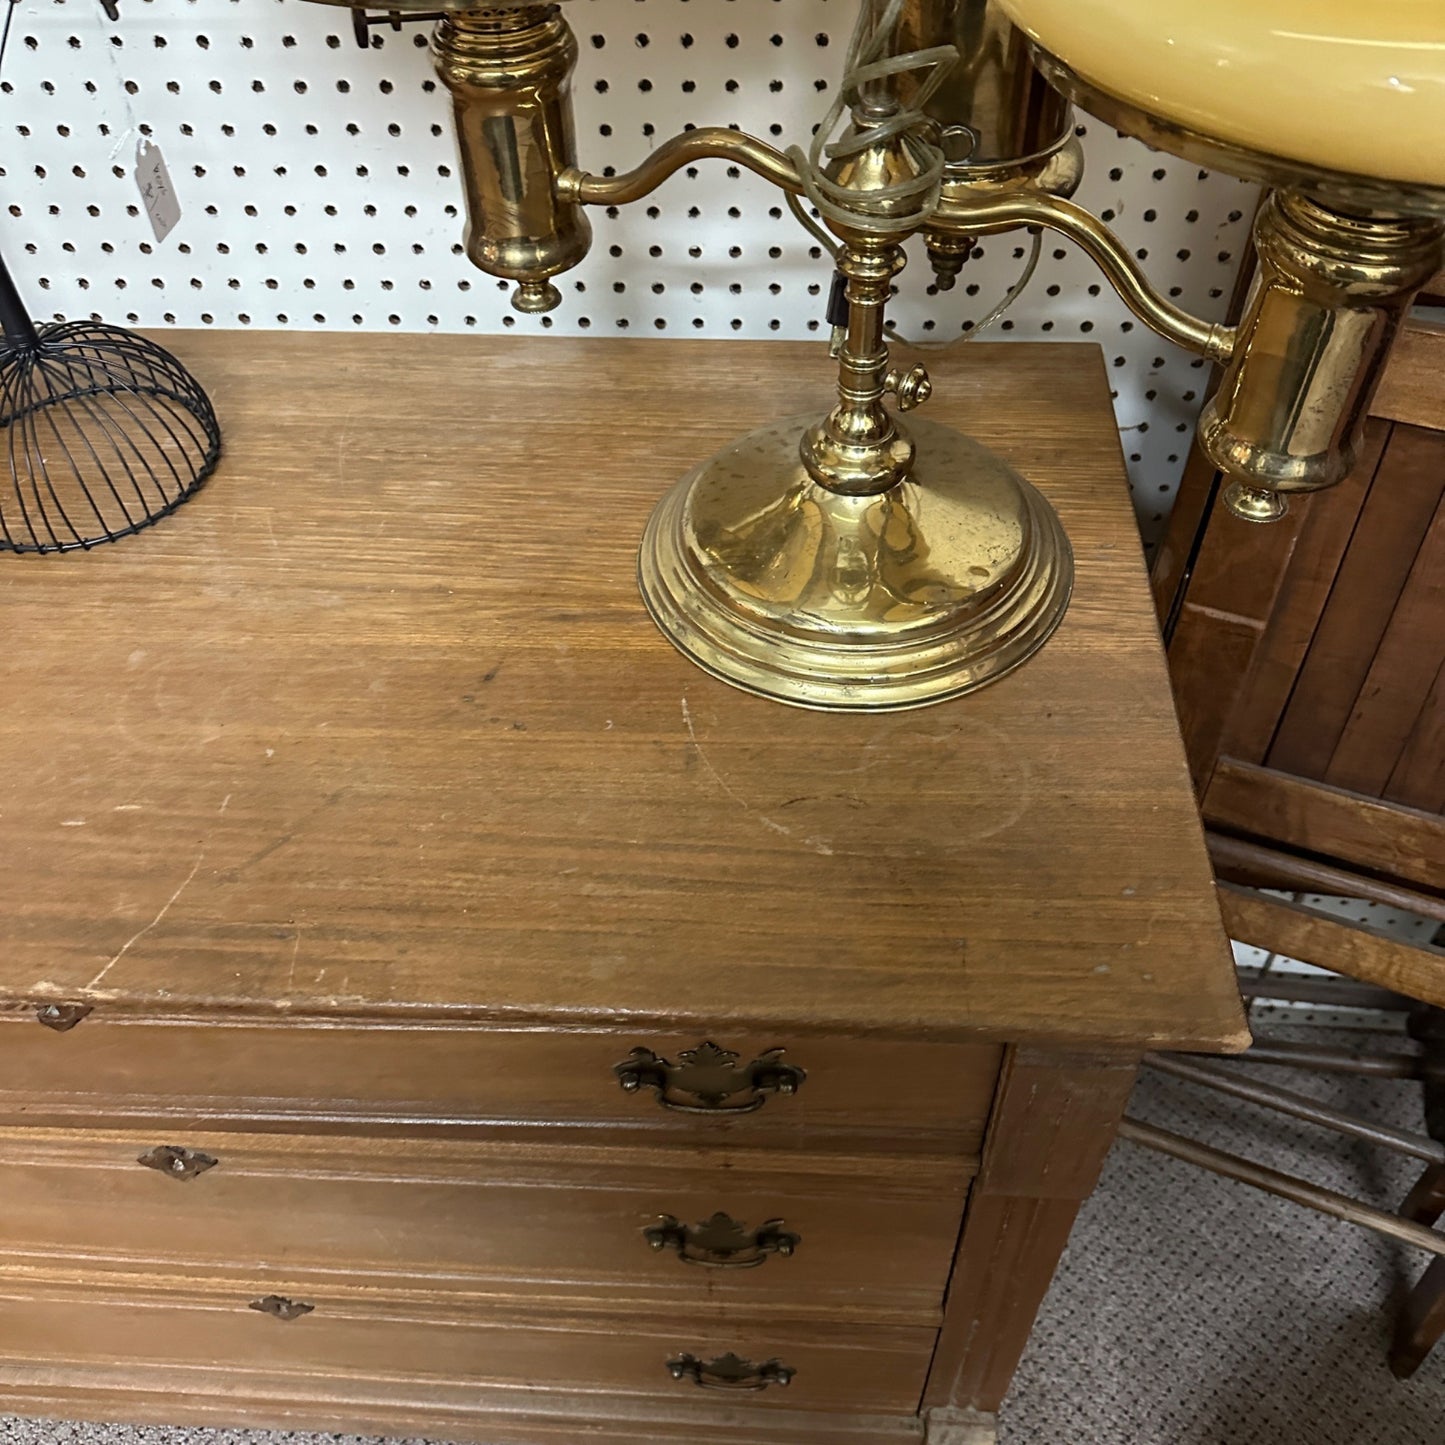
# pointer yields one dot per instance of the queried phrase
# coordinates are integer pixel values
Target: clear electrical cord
(5, 32)
(1005, 301)
(903, 206)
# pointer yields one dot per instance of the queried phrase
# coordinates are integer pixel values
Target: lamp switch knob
(911, 387)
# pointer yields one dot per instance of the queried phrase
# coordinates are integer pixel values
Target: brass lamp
(857, 561)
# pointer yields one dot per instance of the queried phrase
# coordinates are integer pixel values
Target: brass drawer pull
(281, 1308)
(177, 1163)
(707, 1079)
(721, 1242)
(728, 1372)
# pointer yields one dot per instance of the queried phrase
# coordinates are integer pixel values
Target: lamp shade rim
(1331, 89)
(1365, 193)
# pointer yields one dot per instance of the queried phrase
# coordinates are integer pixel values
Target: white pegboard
(320, 191)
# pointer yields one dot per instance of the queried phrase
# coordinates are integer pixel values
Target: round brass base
(783, 588)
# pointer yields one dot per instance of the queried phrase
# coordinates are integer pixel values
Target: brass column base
(772, 583)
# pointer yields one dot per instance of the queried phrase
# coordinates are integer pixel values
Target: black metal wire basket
(103, 431)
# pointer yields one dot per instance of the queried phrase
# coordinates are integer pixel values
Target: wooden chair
(1308, 661)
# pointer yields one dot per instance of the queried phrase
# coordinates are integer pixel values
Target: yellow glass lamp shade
(1295, 90)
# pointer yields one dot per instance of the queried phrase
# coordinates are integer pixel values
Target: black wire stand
(103, 431)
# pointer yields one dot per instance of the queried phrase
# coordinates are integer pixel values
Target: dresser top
(377, 725)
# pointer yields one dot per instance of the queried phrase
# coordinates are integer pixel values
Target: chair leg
(1421, 1322)
(1425, 1203)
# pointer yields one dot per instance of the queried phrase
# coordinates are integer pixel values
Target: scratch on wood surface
(341, 440)
(816, 844)
(295, 951)
(225, 802)
(141, 933)
(232, 874)
(706, 761)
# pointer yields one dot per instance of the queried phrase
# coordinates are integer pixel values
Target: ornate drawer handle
(707, 1079)
(721, 1242)
(177, 1163)
(728, 1372)
(281, 1308)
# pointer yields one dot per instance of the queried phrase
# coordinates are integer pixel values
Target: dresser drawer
(336, 1343)
(291, 1071)
(810, 1236)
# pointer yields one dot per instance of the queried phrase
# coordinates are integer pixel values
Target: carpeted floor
(1188, 1310)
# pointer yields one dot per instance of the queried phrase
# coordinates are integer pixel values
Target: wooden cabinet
(431, 1006)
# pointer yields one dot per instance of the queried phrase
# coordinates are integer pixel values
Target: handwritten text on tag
(156, 192)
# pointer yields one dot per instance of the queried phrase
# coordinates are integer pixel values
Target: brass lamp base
(781, 587)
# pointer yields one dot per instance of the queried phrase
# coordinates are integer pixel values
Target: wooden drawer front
(292, 1070)
(837, 1368)
(859, 1238)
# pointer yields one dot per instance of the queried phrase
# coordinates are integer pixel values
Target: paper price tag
(157, 194)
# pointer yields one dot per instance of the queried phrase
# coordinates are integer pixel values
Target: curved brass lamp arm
(984, 216)
(710, 142)
(1005, 213)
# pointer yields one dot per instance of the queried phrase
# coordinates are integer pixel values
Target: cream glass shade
(1352, 86)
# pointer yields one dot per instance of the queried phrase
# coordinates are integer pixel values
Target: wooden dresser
(433, 1007)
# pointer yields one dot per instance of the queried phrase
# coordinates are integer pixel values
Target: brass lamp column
(859, 448)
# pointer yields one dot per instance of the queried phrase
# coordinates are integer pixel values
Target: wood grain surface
(1053, 1122)
(1410, 390)
(377, 723)
(1374, 643)
(1385, 838)
(1353, 949)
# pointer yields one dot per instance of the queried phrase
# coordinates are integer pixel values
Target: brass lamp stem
(859, 449)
